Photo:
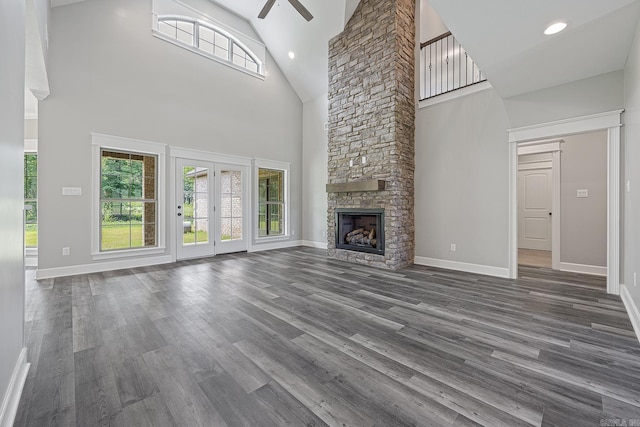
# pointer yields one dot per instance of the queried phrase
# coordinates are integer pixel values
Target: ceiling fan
(295, 3)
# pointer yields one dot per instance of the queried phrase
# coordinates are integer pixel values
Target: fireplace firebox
(360, 230)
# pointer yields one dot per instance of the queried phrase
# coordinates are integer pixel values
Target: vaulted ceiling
(506, 39)
(285, 30)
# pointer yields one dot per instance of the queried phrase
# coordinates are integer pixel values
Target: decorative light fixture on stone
(296, 5)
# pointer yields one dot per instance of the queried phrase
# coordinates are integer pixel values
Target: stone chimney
(372, 116)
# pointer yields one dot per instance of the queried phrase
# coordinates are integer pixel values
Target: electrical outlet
(66, 251)
(453, 247)
(324, 233)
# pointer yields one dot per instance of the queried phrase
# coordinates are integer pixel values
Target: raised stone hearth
(371, 126)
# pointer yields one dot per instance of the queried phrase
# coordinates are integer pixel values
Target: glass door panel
(232, 191)
(193, 194)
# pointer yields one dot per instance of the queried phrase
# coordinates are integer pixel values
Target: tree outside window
(128, 200)
(31, 200)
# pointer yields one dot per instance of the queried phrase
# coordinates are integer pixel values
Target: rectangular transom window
(271, 204)
(128, 200)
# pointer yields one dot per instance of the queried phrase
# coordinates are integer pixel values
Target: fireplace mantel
(352, 187)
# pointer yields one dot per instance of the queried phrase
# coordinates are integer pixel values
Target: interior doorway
(538, 203)
(609, 123)
(534, 212)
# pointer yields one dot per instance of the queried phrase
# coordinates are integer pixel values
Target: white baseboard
(632, 309)
(463, 266)
(11, 400)
(275, 245)
(582, 268)
(48, 273)
(311, 244)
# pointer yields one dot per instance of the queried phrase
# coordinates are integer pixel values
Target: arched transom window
(212, 41)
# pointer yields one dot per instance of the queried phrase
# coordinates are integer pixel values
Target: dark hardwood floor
(290, 337)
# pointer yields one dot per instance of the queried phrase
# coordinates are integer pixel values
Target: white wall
(583, 221)
(461, 180)
(431, 26)
(314, 170)
(575, 99)
(631, 153)
(12, 46)
(43, 13)
(110, 75)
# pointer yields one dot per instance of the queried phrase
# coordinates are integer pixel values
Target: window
(213, 42)
(243, 59)
(127, 197)
(271, 205)
(31, 200)
(128, 200)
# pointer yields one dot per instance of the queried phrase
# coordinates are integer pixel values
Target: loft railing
(445, 66)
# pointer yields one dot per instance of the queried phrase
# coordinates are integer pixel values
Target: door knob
(179, 214)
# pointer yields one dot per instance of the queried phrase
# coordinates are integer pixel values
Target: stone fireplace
(371, 131)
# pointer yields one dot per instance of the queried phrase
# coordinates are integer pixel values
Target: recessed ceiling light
(555, 28)
(292, 54)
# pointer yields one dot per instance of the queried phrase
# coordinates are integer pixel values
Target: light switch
(582, 193)
(71, 191)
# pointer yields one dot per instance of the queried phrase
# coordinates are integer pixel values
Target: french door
(232, 215)
(211, 211)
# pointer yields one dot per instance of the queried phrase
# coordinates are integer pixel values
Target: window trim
(285, 167)
(100, 142)
(194, 47)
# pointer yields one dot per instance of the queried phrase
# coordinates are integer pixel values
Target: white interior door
(194, 209)
(534, 209)
(232, 188)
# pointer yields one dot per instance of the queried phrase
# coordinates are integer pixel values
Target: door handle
(179, 214)
(549, 213)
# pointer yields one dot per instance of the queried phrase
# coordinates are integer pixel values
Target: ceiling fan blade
(267, 7)
(301, 9)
